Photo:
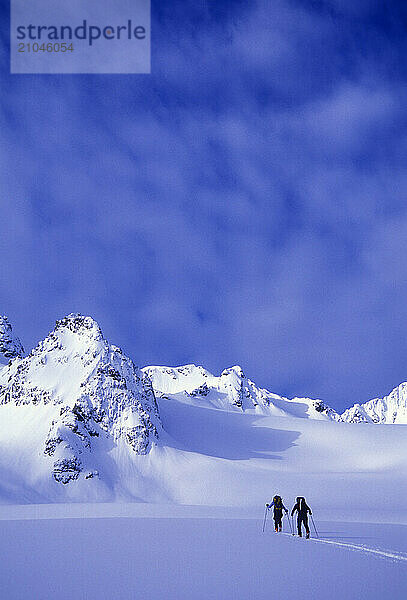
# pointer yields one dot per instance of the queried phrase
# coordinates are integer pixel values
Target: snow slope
(222, 458)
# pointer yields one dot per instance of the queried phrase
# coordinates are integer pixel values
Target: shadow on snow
(222, 434)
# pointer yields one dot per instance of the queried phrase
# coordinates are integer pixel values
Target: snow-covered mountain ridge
(390, 409)
(233, 390)
(87, 391)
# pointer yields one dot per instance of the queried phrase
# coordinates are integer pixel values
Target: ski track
(379, 553)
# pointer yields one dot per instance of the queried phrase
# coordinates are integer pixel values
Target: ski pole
(289, 522)
(265, 517)
(312, 519)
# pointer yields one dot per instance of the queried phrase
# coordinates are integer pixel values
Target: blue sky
(244, 204)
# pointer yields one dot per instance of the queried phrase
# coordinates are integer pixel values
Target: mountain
(232, 390)
(10, 345)
(390, 409)
(77, 396)
(80, 422)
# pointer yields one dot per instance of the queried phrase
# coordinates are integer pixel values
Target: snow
(230, 390)
(80, 423)
(208, 451)
(113, 485)
(390, 409)
(240, 457)
(194, 555)
(195, 385)
(219, 458)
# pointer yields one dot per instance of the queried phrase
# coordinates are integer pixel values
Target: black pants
(302, 520)
(278, 515)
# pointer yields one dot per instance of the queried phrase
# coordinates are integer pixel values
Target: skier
(302, 509)
(278, 511)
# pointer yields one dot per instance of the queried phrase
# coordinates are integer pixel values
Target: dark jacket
(302, 507)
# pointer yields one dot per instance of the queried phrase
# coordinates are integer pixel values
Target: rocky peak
(236, 371)
(97, 392)
(233, 380)
(10, 345)
(77, 323)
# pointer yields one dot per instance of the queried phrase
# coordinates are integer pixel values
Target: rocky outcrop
(202, 390)
(10, 345)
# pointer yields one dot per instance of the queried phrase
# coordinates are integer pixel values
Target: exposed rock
(202, 390)
(10, 345)
(67, 469)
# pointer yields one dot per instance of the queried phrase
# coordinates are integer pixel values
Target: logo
(85, 36)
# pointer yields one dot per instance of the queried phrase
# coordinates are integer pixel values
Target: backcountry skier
(278, 511)
(302, 509)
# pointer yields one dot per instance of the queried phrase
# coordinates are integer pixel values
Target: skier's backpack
(278, 503)
(301, 504)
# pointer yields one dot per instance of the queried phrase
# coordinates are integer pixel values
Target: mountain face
(10, 345)
(78, 421)
(232, 390)
(390, 409)
(88, 391)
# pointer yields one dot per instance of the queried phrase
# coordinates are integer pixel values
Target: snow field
(187, 558)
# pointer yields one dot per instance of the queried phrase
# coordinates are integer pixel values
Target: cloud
(244, 204)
